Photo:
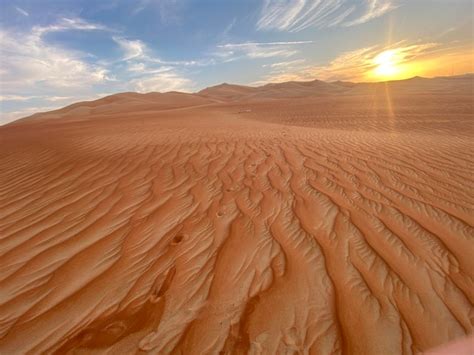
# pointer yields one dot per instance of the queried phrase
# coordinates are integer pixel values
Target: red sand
(300, 217)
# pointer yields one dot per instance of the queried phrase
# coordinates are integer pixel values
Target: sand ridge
(337, 224)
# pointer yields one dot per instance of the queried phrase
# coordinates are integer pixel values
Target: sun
(395, 64)
(388, 64)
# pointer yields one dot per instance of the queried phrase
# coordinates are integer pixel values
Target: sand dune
(459, 85)
(129, 102)
(238, 220)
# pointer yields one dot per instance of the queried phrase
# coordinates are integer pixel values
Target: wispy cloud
(150, 73)
(229, 28)
(60, 98)
(374, 9)
(162, 82)
(297, 15)
(22, 11)
(131, 48)
(283, 66)
(256, 50)
(140, 56)
(16, 98)
(68, 24)
(264, 44)
(4, 98)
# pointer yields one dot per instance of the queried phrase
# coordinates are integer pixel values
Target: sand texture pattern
(293, 218)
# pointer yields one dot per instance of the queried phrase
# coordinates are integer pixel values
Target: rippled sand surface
(199, 224)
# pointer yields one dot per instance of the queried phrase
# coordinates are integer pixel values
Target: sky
(56, 52)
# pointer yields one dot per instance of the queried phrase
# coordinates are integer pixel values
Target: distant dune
(301, 217)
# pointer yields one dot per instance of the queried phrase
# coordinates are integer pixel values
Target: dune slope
(204, 230)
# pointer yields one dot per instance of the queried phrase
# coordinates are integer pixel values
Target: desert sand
(312, 218)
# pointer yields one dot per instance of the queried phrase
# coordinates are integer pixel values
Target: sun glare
(387, 64)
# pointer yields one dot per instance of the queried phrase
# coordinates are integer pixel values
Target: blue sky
(53, 53)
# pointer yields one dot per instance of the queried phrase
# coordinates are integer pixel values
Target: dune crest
(240, 221)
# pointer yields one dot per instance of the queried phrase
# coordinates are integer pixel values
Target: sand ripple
(239, 236)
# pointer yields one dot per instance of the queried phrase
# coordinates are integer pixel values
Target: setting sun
(387, 64)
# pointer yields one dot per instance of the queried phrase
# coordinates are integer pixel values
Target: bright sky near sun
(55, 52)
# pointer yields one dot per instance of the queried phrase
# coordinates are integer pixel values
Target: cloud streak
(297, 15)
(16, 98)
(68, 24)
(258, 50)
(162, 82)
(131, 48)
(21, 11)
(149, 73)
